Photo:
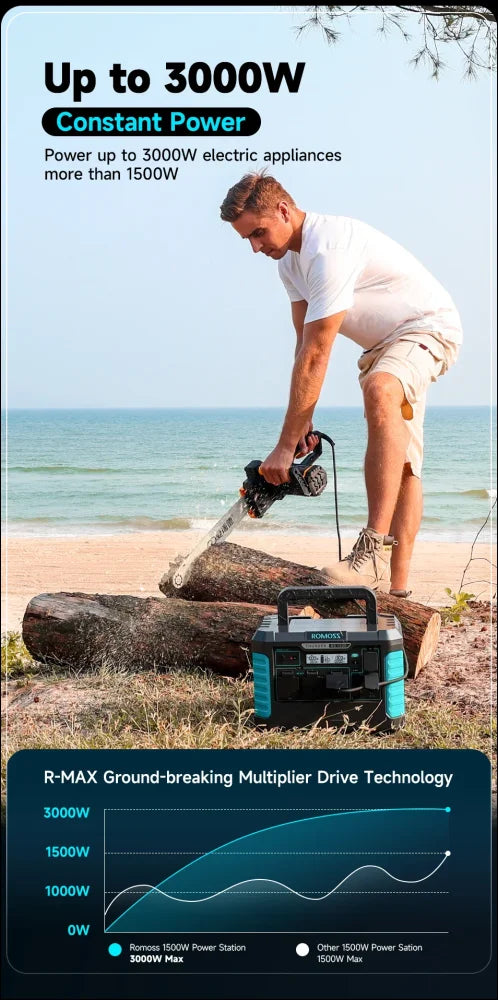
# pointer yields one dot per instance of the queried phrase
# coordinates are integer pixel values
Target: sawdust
(40, 698)
(463, 671)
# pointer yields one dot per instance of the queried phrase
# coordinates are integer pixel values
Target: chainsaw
(306, 479)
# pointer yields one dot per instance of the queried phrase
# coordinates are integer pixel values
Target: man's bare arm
(309, 371)
(298, 310)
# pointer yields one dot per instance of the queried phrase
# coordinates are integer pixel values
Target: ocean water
(75, 472)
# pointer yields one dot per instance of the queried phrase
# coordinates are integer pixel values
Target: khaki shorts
(416, 361)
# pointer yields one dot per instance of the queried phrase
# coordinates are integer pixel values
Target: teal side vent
(262, 691)
(395, 693)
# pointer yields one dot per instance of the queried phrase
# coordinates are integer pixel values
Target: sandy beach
(134, 563)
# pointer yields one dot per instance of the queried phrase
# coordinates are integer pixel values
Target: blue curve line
(245, 836)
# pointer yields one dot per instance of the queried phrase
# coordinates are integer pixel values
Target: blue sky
(136, 294)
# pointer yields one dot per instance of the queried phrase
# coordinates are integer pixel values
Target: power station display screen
(326, 658)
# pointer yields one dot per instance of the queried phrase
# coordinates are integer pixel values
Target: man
(342, 275)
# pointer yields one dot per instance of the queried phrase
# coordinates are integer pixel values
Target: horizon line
(339, 406)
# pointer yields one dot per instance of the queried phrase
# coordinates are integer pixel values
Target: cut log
(90, 630)
(229, 572)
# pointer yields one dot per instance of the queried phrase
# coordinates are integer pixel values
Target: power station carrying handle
(303, 595)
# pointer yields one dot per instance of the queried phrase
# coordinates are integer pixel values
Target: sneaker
(367, 564)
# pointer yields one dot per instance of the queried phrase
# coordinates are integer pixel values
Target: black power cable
(325, 437)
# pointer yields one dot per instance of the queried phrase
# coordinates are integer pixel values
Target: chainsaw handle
(311, 456)
(299, 467)
(303, 595)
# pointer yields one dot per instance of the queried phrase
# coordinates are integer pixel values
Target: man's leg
(386, 451)
(404, 526)
(394, 389)
(368, 561)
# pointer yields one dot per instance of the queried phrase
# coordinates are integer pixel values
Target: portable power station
(329, 670)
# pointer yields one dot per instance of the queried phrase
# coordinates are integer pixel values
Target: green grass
(16, 661)
(453, 613)
(107, 709)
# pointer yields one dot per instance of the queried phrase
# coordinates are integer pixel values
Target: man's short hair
(258, 193)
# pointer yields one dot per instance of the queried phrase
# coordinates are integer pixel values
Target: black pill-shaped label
(151, 121)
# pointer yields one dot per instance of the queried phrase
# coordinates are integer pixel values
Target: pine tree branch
(438, 25)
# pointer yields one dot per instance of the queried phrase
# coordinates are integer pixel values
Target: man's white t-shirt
(345, 264)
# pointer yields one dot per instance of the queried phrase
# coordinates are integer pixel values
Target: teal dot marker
(448, 809)
(114, 949)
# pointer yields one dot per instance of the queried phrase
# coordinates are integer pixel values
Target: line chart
(257, 888)
(119, 862)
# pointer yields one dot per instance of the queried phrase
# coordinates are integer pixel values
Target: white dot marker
(447, 853)
(302, 950)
